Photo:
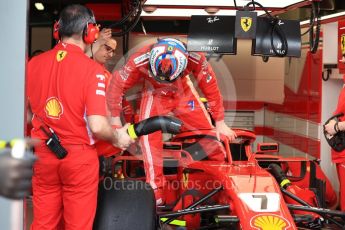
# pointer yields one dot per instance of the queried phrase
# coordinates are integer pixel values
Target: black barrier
(273, 37)
(212, 34)
(288, 29)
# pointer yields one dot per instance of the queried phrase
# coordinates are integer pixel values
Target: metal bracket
(328, 68)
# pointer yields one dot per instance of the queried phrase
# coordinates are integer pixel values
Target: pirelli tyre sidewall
(125, 205)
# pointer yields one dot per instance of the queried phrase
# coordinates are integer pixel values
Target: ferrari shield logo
(342, 44)
(61, 54)
(246, 23)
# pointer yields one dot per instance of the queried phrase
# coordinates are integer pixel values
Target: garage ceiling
(224, 3)
(173, 12)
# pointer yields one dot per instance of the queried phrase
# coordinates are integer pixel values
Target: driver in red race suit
(339, 157)
(166, 67)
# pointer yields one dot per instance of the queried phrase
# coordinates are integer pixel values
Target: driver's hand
(222, 128)
(123, 139)
(329, 128)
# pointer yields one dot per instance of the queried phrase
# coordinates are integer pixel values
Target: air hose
(158, 123)
(279, 175)
(294, 194)
(164, 123)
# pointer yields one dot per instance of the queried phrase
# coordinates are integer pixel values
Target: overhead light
(211, 10)
(39, 6)
(326, 17)
(223, 3)
(149, 9)
(179, 13)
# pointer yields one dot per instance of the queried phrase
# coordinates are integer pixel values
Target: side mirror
(267, 147)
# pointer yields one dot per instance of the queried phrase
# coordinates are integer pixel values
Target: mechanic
(104, 52)
(66, 95)
(339, 157)
(166, 66)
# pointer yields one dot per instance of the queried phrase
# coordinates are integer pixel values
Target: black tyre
(125, 205)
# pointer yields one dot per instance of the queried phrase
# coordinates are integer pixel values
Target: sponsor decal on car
(269, 222)
(261, 202)
(185, 179)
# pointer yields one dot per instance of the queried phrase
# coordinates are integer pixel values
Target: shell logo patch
(269, 222)
(53, 108)
(60, 55)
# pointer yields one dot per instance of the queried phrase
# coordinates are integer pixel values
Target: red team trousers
(341, 173)
(65, 189)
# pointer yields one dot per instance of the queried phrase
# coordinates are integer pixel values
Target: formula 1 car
(215, 184)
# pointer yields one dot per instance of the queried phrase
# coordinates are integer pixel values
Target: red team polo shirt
(63, 87)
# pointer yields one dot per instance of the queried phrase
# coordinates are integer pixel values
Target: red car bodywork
(254, 196)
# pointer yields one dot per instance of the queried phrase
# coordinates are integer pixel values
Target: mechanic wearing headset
(66, 95)
(166, 66)
(339, 157)
(104, 51)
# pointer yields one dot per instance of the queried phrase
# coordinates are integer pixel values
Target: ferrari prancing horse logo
(61, 54)
(246, 23)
